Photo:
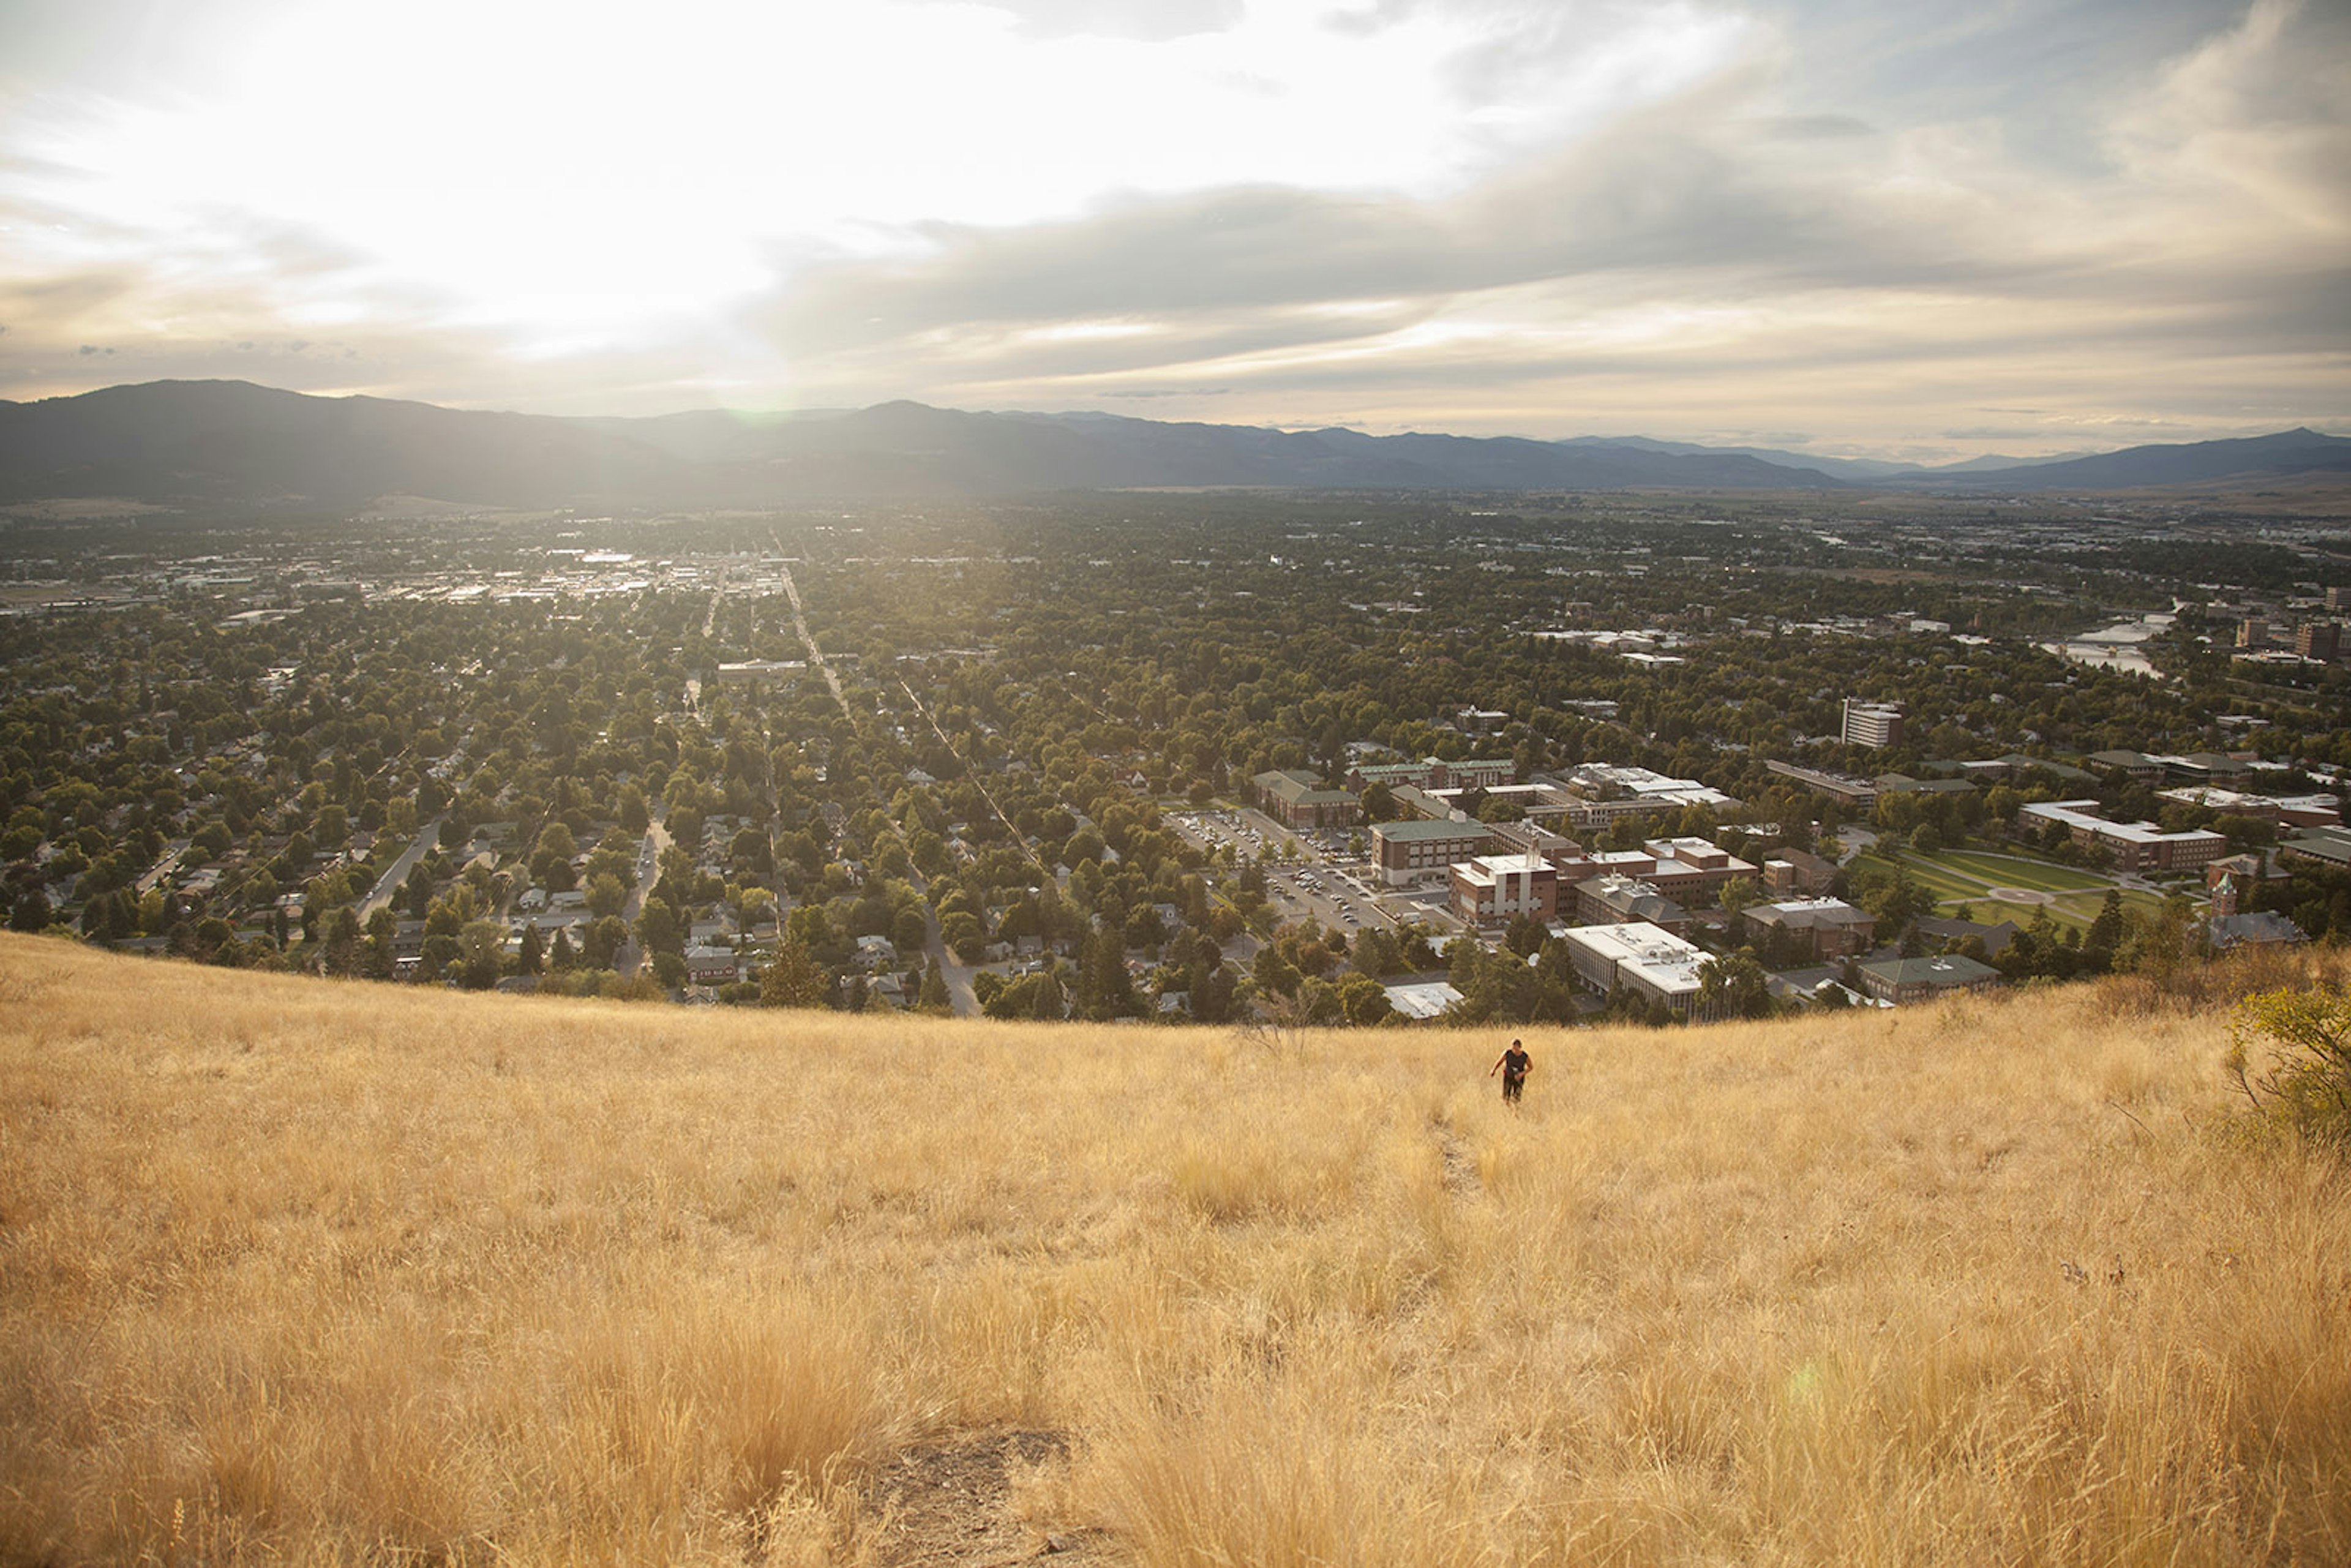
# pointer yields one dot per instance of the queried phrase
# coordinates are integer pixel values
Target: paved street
(387, 887)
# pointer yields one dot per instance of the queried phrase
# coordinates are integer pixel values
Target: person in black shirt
(1513, 1065)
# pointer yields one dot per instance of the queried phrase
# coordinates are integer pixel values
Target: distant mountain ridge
(210, 443)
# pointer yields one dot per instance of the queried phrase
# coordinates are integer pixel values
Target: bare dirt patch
(953, 1503)
(1460, 1165)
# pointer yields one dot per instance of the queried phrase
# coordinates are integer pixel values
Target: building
(1952, 933)
(1613, 899)
(1841, 787)
(712, 965)
(1407, 851)
(2262, 929)
(2136, 846)
(1812, 929)
(1693, 869)
(2293, 811)
(1422, 1000)
(1873, 725)
(1640, 959)
(1479, 720)
(1599, 794)
(2133, 765)
(1298, 801)
(1493, 890)
(2320, 640)
(2322, 846)
(1904, 981)
(1434, 773)
(755, 673)
(1791, 872)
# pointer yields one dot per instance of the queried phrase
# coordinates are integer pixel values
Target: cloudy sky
(1888, 227)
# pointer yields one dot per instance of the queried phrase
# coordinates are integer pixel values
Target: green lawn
(2016, 870)
(1965, 876)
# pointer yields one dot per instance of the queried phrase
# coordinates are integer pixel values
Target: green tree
(2302, 1079)
(1737, 894)
(794, 980)
(1733, 987)
(482, 947)
(606, 894)
(1364, 1001)
(934, 998)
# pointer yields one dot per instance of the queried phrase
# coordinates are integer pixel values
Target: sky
(1887, 228)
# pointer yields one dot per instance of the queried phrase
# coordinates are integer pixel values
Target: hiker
(1513, 1065)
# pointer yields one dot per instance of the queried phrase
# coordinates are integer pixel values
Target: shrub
(2302, 1079)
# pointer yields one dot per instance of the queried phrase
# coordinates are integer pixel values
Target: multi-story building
(1492, 890)
(1818, 929)
(1600, 793)
(1407, 851)
(1639, 957)
(1298, 801)
(1874, 725)
(1841, 787)
(2320, 640)
(1436, 773)
(1612, 899)
(1903, 981)
(2137, 846)
(1789, 872)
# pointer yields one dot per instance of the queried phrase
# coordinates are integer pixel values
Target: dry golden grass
(293, 1271)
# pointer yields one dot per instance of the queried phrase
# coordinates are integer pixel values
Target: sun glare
(570, 172)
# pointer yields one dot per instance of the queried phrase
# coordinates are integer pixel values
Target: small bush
(2302, 1079)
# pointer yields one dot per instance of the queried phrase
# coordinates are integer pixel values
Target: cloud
(1505, 217)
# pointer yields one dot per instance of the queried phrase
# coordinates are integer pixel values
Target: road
(961, 996)
(800, 623)
(648, 872)
(387, 887)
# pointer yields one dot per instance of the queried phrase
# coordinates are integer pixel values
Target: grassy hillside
(305, 1272)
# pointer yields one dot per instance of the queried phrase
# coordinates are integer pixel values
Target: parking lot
(1307, 877)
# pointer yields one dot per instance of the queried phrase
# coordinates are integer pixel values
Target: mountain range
(208, 444)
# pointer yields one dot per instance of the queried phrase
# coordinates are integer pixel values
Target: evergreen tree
(934, 998)
(794, 980)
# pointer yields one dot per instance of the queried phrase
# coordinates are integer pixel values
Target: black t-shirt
(1515, 1063)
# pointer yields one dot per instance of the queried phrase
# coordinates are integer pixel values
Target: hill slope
(217, 442)
(198, 442)
(294, 1270)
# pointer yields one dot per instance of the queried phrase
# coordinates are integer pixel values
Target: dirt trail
(948, 1504)
(1460, 1165)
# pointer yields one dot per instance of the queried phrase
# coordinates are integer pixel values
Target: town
(1215, 758)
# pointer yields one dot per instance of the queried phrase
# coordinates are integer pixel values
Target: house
(712, 965)
(1904, 981)
(876, 953)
